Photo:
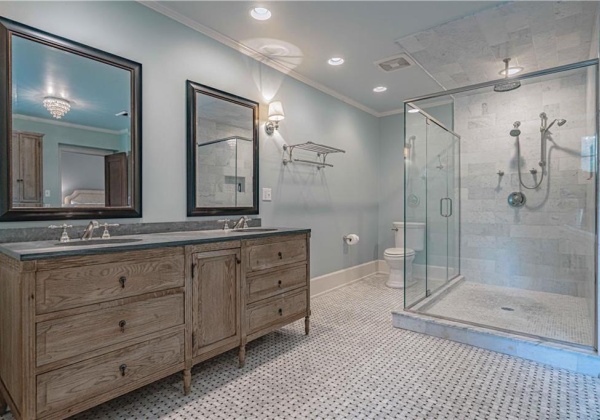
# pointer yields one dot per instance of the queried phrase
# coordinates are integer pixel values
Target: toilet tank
(415, 235)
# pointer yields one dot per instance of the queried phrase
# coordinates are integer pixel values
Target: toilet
(397, 257)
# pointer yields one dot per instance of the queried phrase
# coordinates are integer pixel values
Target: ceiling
(535, 35)
(97, 91)
(302, 35)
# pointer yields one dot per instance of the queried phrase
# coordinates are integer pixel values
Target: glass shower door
(442, 233)
(432, 190)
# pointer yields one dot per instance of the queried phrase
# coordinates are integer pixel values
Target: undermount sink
(98, 242)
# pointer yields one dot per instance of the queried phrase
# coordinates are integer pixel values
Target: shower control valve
(500, 173)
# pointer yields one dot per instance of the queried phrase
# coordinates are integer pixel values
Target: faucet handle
(64, 237)
(106, 233)
(226, 223)
(246, 220)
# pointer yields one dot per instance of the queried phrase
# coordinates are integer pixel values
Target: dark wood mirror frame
(192, 206)
(7, 213)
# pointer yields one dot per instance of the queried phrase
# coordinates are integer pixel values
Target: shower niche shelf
(320, 149)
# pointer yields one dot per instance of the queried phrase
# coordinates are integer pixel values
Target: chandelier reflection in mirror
(57, 107)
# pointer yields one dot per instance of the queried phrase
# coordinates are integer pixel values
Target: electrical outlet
(266, 194)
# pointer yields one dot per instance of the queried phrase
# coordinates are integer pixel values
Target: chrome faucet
(88, 233)
(242, 223)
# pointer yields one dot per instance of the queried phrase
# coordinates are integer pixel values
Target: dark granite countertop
(26, 251)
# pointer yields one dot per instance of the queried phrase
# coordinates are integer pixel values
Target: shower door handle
(449, 207)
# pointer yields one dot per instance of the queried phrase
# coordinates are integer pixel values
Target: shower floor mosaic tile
(551, 315)
(354, 364)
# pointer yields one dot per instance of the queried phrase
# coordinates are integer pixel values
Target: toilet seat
(399, 252)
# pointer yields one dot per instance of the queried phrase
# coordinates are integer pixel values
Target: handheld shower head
(560, 123)
(515, 132)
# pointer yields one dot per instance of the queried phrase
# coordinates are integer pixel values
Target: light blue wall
(332, 202)
(55, 135)
(391, 178)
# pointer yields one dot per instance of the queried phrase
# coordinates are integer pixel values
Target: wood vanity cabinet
(79, 331)
(76, 331)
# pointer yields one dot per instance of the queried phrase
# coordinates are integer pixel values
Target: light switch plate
(266, 194)
(47, 193)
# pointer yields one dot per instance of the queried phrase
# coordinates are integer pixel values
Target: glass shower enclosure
(432, 180)
(504, 177)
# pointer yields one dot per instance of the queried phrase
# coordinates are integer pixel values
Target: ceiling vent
(397, 62)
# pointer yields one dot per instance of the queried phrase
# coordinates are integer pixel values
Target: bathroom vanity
(82, 324)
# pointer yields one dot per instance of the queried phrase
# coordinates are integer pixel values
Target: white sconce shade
(276, 114)
(276, 111)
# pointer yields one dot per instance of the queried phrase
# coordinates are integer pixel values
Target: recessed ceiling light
(260, 13)
(511, 71)
(379, 89)
(336, 61)
(413, 110)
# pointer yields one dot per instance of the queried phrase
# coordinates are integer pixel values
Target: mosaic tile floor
(356, 365)
(551, 315)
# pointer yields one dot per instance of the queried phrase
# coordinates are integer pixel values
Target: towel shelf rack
(320, 149)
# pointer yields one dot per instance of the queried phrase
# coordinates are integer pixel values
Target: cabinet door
(216, 300)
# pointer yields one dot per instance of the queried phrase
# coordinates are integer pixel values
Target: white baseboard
(332, 281)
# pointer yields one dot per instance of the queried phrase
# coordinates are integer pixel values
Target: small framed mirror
(222, 153)
(70, 129)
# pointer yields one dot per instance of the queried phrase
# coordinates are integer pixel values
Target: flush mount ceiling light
(260, 13)
(509, 70)
(413, 110)
(57, 107)
(379, 89)
(335, 61)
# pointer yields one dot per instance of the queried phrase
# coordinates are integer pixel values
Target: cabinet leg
(187, 381)
(3, 405)
(307, 325)
(242, 355)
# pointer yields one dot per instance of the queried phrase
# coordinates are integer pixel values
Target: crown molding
(67, 124)
(217, 36)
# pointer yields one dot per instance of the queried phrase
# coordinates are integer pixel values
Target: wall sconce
(276, 114)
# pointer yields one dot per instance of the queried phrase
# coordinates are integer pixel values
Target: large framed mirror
(70, 129)
(222, 153)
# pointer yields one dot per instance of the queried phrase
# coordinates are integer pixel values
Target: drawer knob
(280, 312)
(280, 255)
(279, 283)
(122, 280)
(122, 324)
(123, 368)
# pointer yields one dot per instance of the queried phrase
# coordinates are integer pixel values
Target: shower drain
(506, 308)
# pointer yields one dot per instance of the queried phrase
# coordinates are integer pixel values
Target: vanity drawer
(91, 378)
(265, 285)
(275, 253)
(59, 339)
(275, 311)
(119, 276)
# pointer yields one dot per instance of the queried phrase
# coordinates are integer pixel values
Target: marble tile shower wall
(548, 245)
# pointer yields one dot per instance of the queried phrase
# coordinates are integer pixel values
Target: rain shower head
(506, 85)
(515, 132)
(561, 122)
